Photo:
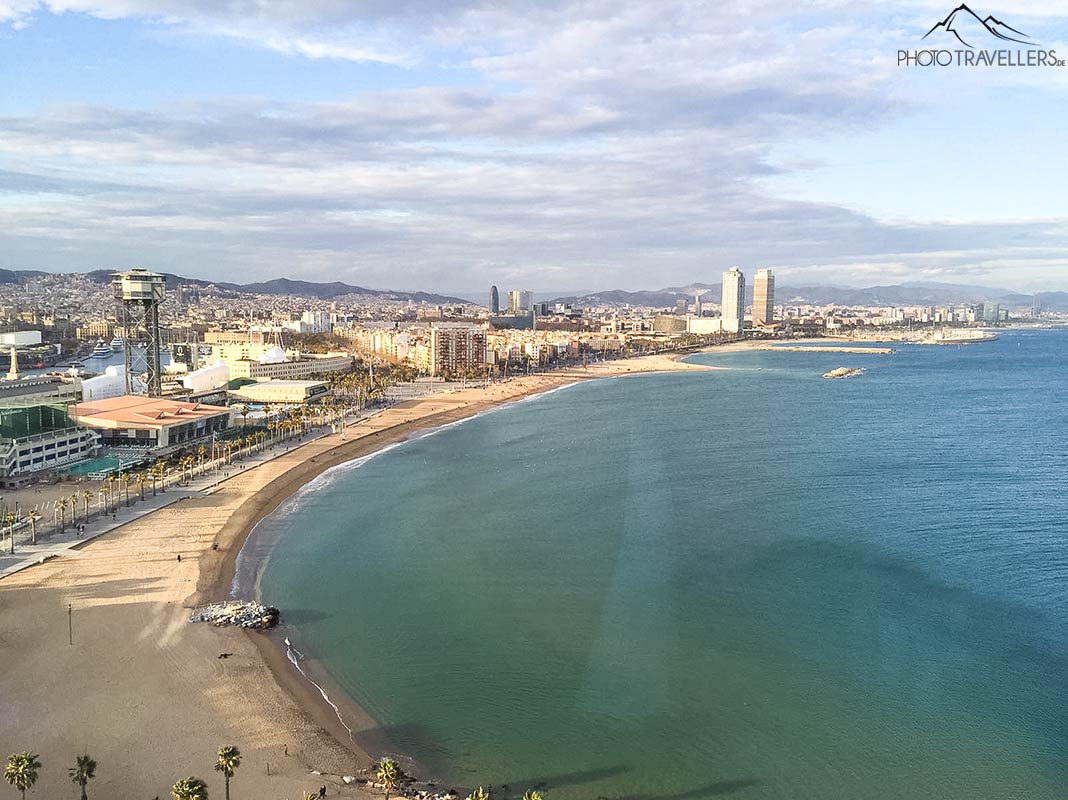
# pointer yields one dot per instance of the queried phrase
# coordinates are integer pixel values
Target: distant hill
(278, 286)
(18, 275)
(918, 293)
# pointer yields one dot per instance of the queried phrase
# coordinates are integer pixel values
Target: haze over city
(572, 147)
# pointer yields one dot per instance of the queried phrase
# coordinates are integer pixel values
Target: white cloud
(626, 150)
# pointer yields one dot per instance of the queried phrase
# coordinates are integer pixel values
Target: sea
(751, 583)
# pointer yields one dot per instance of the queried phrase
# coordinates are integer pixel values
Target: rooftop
(144, 411)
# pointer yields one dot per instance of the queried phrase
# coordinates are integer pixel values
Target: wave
(295, 657)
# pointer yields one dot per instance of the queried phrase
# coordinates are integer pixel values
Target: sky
(565, 145)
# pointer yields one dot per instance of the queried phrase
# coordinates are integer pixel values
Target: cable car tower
(139, 294)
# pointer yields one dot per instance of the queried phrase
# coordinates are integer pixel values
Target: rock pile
(239, 613)
(843, 372)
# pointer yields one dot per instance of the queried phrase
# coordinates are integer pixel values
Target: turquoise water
(101, 464)
(752, 583)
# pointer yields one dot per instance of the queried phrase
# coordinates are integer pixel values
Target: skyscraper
(733, 300)
(495, 301)
(764, 297)
(520, 301)
(697, 303)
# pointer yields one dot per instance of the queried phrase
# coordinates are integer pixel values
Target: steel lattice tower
(139, 294)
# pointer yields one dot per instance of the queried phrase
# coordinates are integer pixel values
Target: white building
(111, 384)
(764, 297)
(733, 300)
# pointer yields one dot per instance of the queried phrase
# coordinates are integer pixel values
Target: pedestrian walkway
(51, 543)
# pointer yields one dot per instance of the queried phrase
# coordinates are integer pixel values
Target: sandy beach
(147, 694)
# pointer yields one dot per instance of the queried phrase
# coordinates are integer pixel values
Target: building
(282, 392)
(456, 347)
(991, 312)
(263, 370)
(681, 307)
(40, 438)
(40, 391)
(764, 297)
(112, 383)
(733, 304)
(697, 303)
(520, 302)
(495, 301)
(315, 322)
(151, 423)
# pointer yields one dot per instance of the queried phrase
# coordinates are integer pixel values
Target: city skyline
(363, 143)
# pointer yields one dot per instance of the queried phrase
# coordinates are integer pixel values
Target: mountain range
(916, 293)
(277, 286)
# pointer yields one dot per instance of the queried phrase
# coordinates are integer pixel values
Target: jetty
(801, 348)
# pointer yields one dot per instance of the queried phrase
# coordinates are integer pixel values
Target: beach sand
(144, 692)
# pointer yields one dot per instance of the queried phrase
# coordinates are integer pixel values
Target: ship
(100, 350)
(116, 343)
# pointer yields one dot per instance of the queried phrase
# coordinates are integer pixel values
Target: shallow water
(755, 583)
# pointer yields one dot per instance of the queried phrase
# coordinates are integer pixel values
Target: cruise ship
(116, 343)
(100, 350)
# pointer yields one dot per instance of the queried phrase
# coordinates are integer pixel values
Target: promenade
(51, 543)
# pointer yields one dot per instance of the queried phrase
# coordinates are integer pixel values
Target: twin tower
(733, 300)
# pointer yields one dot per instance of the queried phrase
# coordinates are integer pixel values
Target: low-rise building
(261, 370)
(47, 390)
(278, 391)
(152, 423)
(40, 438)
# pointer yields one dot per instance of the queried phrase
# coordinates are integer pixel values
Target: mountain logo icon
(967, 27)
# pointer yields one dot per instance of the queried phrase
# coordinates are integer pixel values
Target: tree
(479, 794)
(190, 789)
(33, 516)
(21, 771)
(82, 772)
(388, 775)
(9, 520)
(227, 763)
(532, 794)
(86, 497)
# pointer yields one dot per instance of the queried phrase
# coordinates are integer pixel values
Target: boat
(116, 343)
(100, 350)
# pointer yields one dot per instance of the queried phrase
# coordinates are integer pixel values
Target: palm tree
(33, 516)
(86, 497)
(388, 775)
(73, 508)
(190, 789)
(21, 771)
(82, 772)
(532, 794)
(125, 478)
(9, 520)
(229, 760)
(479, 794)
(141, 484)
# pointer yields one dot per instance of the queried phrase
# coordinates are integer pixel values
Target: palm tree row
(22, 772)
